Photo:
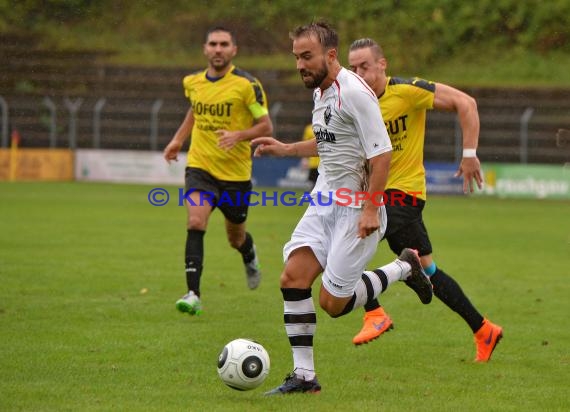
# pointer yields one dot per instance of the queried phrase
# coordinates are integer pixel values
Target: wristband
(469, 152)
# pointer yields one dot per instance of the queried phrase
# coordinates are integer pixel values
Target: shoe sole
(279, 393)
(253, 282)
(293, 385)
(184, 307)
(418, 281)
(388, 329)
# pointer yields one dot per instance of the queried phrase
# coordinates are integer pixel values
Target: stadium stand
(29, 76)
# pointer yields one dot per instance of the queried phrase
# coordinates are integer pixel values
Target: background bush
(414, 33)
(437, 27)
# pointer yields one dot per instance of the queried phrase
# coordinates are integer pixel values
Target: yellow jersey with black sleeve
(230, 102)
(308, 135)
(404, 104)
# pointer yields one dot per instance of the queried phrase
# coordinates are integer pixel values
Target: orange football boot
(376, 322)
(486, 339)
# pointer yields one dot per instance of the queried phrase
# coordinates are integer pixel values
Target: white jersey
(349, 129)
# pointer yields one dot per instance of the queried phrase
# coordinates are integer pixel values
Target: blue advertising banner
(440, 179)
(286, 172)
(278, 172)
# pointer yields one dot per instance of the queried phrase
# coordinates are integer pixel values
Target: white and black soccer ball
(243, 364)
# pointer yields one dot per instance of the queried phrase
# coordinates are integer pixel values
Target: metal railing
(524, 121)
(72, 107)
(97, 122)
(53, 121)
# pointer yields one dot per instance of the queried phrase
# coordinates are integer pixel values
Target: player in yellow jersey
(228, 108)
(312, 163)
(403, 104)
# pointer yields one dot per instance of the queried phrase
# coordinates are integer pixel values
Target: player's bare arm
(173, 148)
(377, 178)
(228, 139)
(269, 146)
(451, 99)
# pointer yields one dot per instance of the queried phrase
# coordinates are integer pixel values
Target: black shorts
(232, 198)
(405, 228)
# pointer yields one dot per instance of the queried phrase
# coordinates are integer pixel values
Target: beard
(313, 80)
(219, 63)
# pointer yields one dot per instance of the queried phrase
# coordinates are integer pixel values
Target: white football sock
(396, 271)
(303, 361)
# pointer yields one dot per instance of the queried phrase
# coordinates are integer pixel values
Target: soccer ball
(243, 364)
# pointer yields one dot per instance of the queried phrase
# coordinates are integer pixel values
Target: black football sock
(371, 305)
(246, 249)
(450, 293)
(193, 259)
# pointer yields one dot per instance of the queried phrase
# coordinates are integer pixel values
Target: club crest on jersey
(328, 114)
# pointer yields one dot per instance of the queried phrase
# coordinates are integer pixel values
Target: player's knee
(286, 280)
(195, 223)
(291, 279)
(330, 306)
(326, 306)
(235, 241)
(331, 311)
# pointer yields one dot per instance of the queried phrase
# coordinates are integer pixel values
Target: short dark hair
(367, 43)
(221, 28)
(322, 30)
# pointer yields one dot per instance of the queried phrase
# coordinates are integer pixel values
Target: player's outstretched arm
(451, 99)
(269, 146)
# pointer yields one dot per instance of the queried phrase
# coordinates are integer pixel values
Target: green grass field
(78, 333)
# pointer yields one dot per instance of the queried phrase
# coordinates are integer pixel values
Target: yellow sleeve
(257, 100)
(308, 132)
(423, 95)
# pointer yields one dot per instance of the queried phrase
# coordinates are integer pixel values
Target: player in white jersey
(346, 136)
(338, 235)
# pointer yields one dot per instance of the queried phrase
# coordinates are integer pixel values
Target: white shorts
(332, 233)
